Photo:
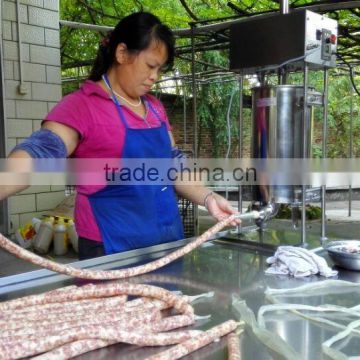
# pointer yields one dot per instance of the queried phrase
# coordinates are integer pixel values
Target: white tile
(10, 144)
(35, 189)
(6, 30)
(9, 11)
(31, 109)
(51, 4)
(57, 187)
(53, 74)
(44, 55)
(38, 3)
(8, 70)
(18, 128)
(10, 108)
(43, 17)
(11, 50)
(34, 72)
(33, 34)
(46, 92)
(48, 201)
(22, 204)
(52, 38)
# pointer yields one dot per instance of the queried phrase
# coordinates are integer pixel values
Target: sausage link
(233, 341)
(103, 290)
(129, 321)
(82, 346)
(172, 322)
(49, 318)
(16, 350)
(185, 348)
(75, 348)
(111, 274)
(71, 306)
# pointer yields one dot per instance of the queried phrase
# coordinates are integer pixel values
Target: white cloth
(298, 262)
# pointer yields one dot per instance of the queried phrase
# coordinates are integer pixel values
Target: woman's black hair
(136, 31)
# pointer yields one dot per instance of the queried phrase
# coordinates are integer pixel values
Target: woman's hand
(220, 208)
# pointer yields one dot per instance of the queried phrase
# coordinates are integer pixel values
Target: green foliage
(312, 212)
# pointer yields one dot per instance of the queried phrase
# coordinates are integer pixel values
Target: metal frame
(42, 277)
(4, 209)
(324, 135)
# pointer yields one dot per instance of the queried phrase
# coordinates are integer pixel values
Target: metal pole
(4, 205)
(241, 126)
(304, 154)
(195, 124)
(21, 89)
(284, 6)
(324, 136)
(351, 138)
(184, 113)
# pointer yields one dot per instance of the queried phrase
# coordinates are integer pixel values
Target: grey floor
(339, 225)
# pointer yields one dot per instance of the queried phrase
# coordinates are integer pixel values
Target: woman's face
(137, 73)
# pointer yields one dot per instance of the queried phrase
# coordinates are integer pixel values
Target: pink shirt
(92, 113)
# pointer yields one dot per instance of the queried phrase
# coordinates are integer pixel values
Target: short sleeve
(73, 112)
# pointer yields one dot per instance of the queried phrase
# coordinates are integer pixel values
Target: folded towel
(298, 262)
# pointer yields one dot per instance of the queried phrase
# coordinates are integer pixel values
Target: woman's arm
(69, 136)
(217, 206)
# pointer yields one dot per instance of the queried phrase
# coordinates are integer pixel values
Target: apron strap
(116, 101)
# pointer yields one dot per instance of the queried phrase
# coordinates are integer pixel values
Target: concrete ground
(338, 225)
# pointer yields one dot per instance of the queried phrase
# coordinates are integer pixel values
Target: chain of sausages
(48, 336)
(196, 342)
(112, 274)
(34, 337)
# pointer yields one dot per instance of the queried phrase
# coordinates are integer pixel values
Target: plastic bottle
(73, 236)
(60, 238)
(44, 236)
(36, 224)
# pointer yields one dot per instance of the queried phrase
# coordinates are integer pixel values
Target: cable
(228, 123)
(274, 67)
(351, 73)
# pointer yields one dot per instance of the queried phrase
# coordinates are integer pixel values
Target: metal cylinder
(278, 133)
(284, 6)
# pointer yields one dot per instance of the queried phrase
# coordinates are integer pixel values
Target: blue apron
(136, 216)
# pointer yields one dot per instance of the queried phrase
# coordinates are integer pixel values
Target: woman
(113, 116)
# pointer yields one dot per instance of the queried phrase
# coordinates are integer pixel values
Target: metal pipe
(322, 8)
(241, 125)
(77, 25)
(184, 114)
(22, 88)
(351, 138)
(195, 123)
(4, 205)
(304, 154)
(324, 136)
(284, 7)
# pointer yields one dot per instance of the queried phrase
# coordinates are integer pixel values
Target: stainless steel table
(224, 266)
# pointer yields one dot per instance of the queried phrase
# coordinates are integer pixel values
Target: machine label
(265, 102)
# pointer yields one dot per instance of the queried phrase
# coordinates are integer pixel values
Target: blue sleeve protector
(43, 144)
(176, 153)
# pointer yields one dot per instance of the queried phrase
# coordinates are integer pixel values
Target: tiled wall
(42, 77)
